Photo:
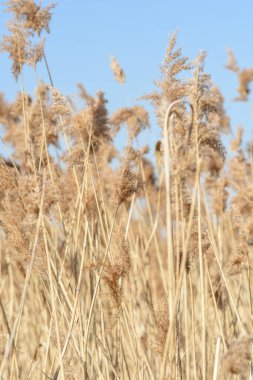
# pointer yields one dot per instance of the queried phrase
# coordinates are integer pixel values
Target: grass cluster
(140, 270)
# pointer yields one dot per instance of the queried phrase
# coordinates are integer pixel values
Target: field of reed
(123, 264)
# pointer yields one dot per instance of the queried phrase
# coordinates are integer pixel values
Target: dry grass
(139, 272)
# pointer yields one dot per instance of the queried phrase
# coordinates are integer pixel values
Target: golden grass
(138, 272)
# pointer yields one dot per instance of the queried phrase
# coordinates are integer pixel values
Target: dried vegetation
(140, 271)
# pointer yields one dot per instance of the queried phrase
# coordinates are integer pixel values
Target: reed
(141, 270)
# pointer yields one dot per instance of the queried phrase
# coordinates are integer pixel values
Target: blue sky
(84, 34)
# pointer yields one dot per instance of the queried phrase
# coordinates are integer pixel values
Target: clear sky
(84, 34)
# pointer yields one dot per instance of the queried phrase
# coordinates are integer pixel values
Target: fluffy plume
(20, 49)
(127, 181)
(32, 16)
(231, 62)
(118, 72)
(170, 87)
(91, 125)
(245, 77)
(135, 118)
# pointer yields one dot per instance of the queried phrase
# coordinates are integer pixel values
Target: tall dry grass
(143, 271)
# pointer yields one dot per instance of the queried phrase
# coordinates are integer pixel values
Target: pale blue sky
(84, 34)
